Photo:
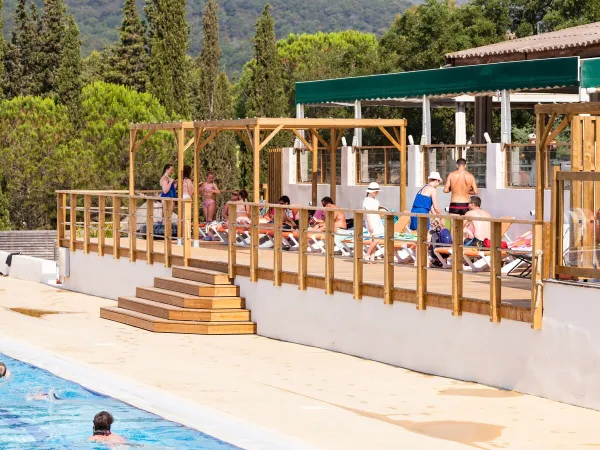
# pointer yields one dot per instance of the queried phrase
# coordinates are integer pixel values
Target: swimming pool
(66, 423)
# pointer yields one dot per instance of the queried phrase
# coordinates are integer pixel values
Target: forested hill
(98, 21)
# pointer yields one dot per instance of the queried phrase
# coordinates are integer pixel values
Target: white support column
(505, 118)
(357, 141)
(299, 111)
(426, 133)
(584, 96)
(460, 120)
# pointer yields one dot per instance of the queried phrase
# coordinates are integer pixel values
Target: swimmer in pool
(51, 396)
(4, 373)
(102, 422)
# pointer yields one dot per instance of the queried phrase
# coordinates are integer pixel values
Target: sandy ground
(325, 399)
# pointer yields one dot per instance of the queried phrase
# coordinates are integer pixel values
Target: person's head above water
(102, 422)
(461, 163)
(3, 370)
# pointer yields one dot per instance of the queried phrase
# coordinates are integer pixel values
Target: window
(380, 164)
(442, 159)
(304, 167)
(521, 163)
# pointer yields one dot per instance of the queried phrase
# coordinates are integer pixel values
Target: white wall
(559, 362)
(29, 269)
(104, 276)
(499, 200)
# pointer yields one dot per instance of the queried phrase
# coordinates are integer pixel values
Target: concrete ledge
(32, 269)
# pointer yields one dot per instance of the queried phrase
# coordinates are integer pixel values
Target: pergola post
(132, 138)
(332, 163)
(539, 166)
(357, 131)
(315, 165)
(403, 168)
(426, 133)
(506, 120)
(256, 162)
(197, 139)
(460, 120)
(180, 151)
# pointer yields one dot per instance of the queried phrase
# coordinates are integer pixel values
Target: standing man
(462, 184)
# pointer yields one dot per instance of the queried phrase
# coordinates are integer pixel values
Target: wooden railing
(442, 158)
(387, 241)
(520, 163)
(101, 219)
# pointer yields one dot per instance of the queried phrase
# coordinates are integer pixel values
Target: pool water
(66, 422)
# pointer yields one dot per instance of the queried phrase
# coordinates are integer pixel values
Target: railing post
(457, 265)
(254, 243)
(495, 271)
(546, 248)
(87, 203)
(357, 254)
(388, 260)
(132, 228)
(61, 217)
(551, 253)
(303, 244)
(329, 251)
(168, 231)
(116, 225)
(149, 232)
(73, 219)
(231, 240)
(187, 232)
(101, 223)
(422, 263)
(277, 253)
(537, 297)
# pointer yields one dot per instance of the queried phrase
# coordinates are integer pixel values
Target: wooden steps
(194, 301)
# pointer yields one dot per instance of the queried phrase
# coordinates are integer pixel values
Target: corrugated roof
(581, 36)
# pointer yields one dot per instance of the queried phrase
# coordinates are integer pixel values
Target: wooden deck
(516, 293)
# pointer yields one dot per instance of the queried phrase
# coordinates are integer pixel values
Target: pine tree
(2, 79)
(53, 19)
(128, 60)
(68, 74)
(26, 38)
(208, 62)
(169, 66)
(266, 94)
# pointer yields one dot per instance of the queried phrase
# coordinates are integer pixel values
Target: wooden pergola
(257, 133)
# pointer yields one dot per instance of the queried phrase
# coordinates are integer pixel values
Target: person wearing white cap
(373, 222)
(426, 200)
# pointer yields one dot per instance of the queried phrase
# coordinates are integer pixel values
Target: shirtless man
(102, 422)
(339, 220)
(462, 184)
(476, 231)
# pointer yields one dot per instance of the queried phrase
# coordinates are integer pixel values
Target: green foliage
(38, 155)
(4, 213)
(93, 68)
(208, 64)
(53, 19)
(2, 80)
(128, 60)
(169, 68)
(108, 110)
(68, 74)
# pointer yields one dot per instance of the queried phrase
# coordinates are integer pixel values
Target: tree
(2, 79)
(38, 155)
(27, 54)
(108, 109)
(208, 62)
(128, 61)
(93, 68)
(169, 67)
(53, 19)
(68, 74)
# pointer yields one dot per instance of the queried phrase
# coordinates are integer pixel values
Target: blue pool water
(26, 423)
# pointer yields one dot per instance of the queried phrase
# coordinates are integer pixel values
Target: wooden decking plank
(187, 300)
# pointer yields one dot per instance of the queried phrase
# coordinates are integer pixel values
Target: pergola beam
(143, 141)
(304, 141)
(270, 137)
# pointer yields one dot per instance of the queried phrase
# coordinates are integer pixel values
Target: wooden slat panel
(101, 224)
(537, 300)
(61, 218)
(495, 272)
(73, 219)
(303, 244)
(357, 273)
(116, 226)
(576, 159)
(422, 262)
(168, 243)
(388, 259)
(253, 243)
(149, 232)
(231, 242)
(187, 232)
(329, 244)
(589, 129)
(457, 263)
(277, 253)
(132, 210)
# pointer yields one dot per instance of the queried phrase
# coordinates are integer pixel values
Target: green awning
(590, 73)
(513, 76)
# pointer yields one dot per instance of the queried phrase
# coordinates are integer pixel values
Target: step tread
(188, 282)
(211, 277)
(146, 317)
(199, 270)
(185, 296)
(178, 308)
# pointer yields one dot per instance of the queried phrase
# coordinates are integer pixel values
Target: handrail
(453, 145)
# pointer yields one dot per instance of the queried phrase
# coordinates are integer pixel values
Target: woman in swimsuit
(168, 188)
(242, 212)
(188, 185)
(209, 189)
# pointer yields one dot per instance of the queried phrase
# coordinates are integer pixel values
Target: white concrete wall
(29, 268)
(104, 276)
(499, 200)
(560, 362)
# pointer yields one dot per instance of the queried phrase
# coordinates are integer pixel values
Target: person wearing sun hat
(426, 199)
(373, 222)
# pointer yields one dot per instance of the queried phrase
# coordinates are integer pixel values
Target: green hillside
(99, 19)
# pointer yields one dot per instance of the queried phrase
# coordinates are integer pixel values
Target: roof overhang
(486, 79)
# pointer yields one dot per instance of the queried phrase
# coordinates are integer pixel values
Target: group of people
(102, 423)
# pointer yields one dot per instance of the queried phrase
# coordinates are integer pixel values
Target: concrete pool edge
(207, 420)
